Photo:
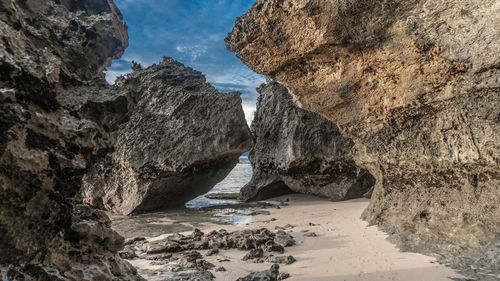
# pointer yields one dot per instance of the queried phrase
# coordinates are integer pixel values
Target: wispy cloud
(191, 32)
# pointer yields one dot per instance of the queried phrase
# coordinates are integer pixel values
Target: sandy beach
(345, 247)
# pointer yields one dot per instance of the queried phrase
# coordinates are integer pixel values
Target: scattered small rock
(223, 260)
(310, 234)
(284, 240)
(266, 275)
(220, 268)
(212, 252)
(273, 247)
(280, 259)
(134, 240)
(283, 276)
(273, 219)
(253, 254)
(127, 253)
(304, 230)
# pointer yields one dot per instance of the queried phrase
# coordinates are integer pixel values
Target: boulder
(415, 85)
(45, 48)
(180, 138)
(295, 150)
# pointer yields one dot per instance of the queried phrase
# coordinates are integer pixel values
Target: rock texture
(45, 46)
(415, 85)
(176, 257)
(60, 122)
(181, 137)
(295, 150)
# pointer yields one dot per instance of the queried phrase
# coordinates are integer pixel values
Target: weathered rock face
(414, 84)
(181, 138)
(295, 150)
(45, 46)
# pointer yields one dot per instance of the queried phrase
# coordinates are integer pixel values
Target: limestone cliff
(416, 85)
(181, 137)
(295, 150)
(45, 46)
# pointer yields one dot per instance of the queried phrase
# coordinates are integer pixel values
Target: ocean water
(179, 220)
(235, 180)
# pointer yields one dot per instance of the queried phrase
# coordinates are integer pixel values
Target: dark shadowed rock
(181, 137)
(296, 150)
(47, 47)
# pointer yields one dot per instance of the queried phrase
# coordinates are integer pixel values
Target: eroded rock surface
(177, 256)
(47, 47)
(415, 85)
(180, 138)
(295, 150)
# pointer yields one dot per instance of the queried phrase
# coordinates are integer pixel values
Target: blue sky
(192, 32)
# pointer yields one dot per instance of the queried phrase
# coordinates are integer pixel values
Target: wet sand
(345, 248)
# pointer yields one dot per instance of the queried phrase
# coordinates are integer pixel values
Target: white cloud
(249, 110)
(193, 52)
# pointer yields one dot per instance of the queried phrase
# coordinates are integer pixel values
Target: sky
(192, 32)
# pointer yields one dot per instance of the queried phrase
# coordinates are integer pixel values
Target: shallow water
(235, 180)
(156, 224)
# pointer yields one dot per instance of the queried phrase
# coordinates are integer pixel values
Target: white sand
(346, 247)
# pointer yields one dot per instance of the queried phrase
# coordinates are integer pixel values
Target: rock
(47, 49)
(285, 227)
(253, 254)
(220, 268)
(212, 252)
(223, 196)
(127, 253)
(415, 85)
(280, 259)
(296, 150)
(310, 234)
(170, 150)
(266, 275)
(162, 246)
(134, 240)
(272, 247)
(284, 240)
(283, 276)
